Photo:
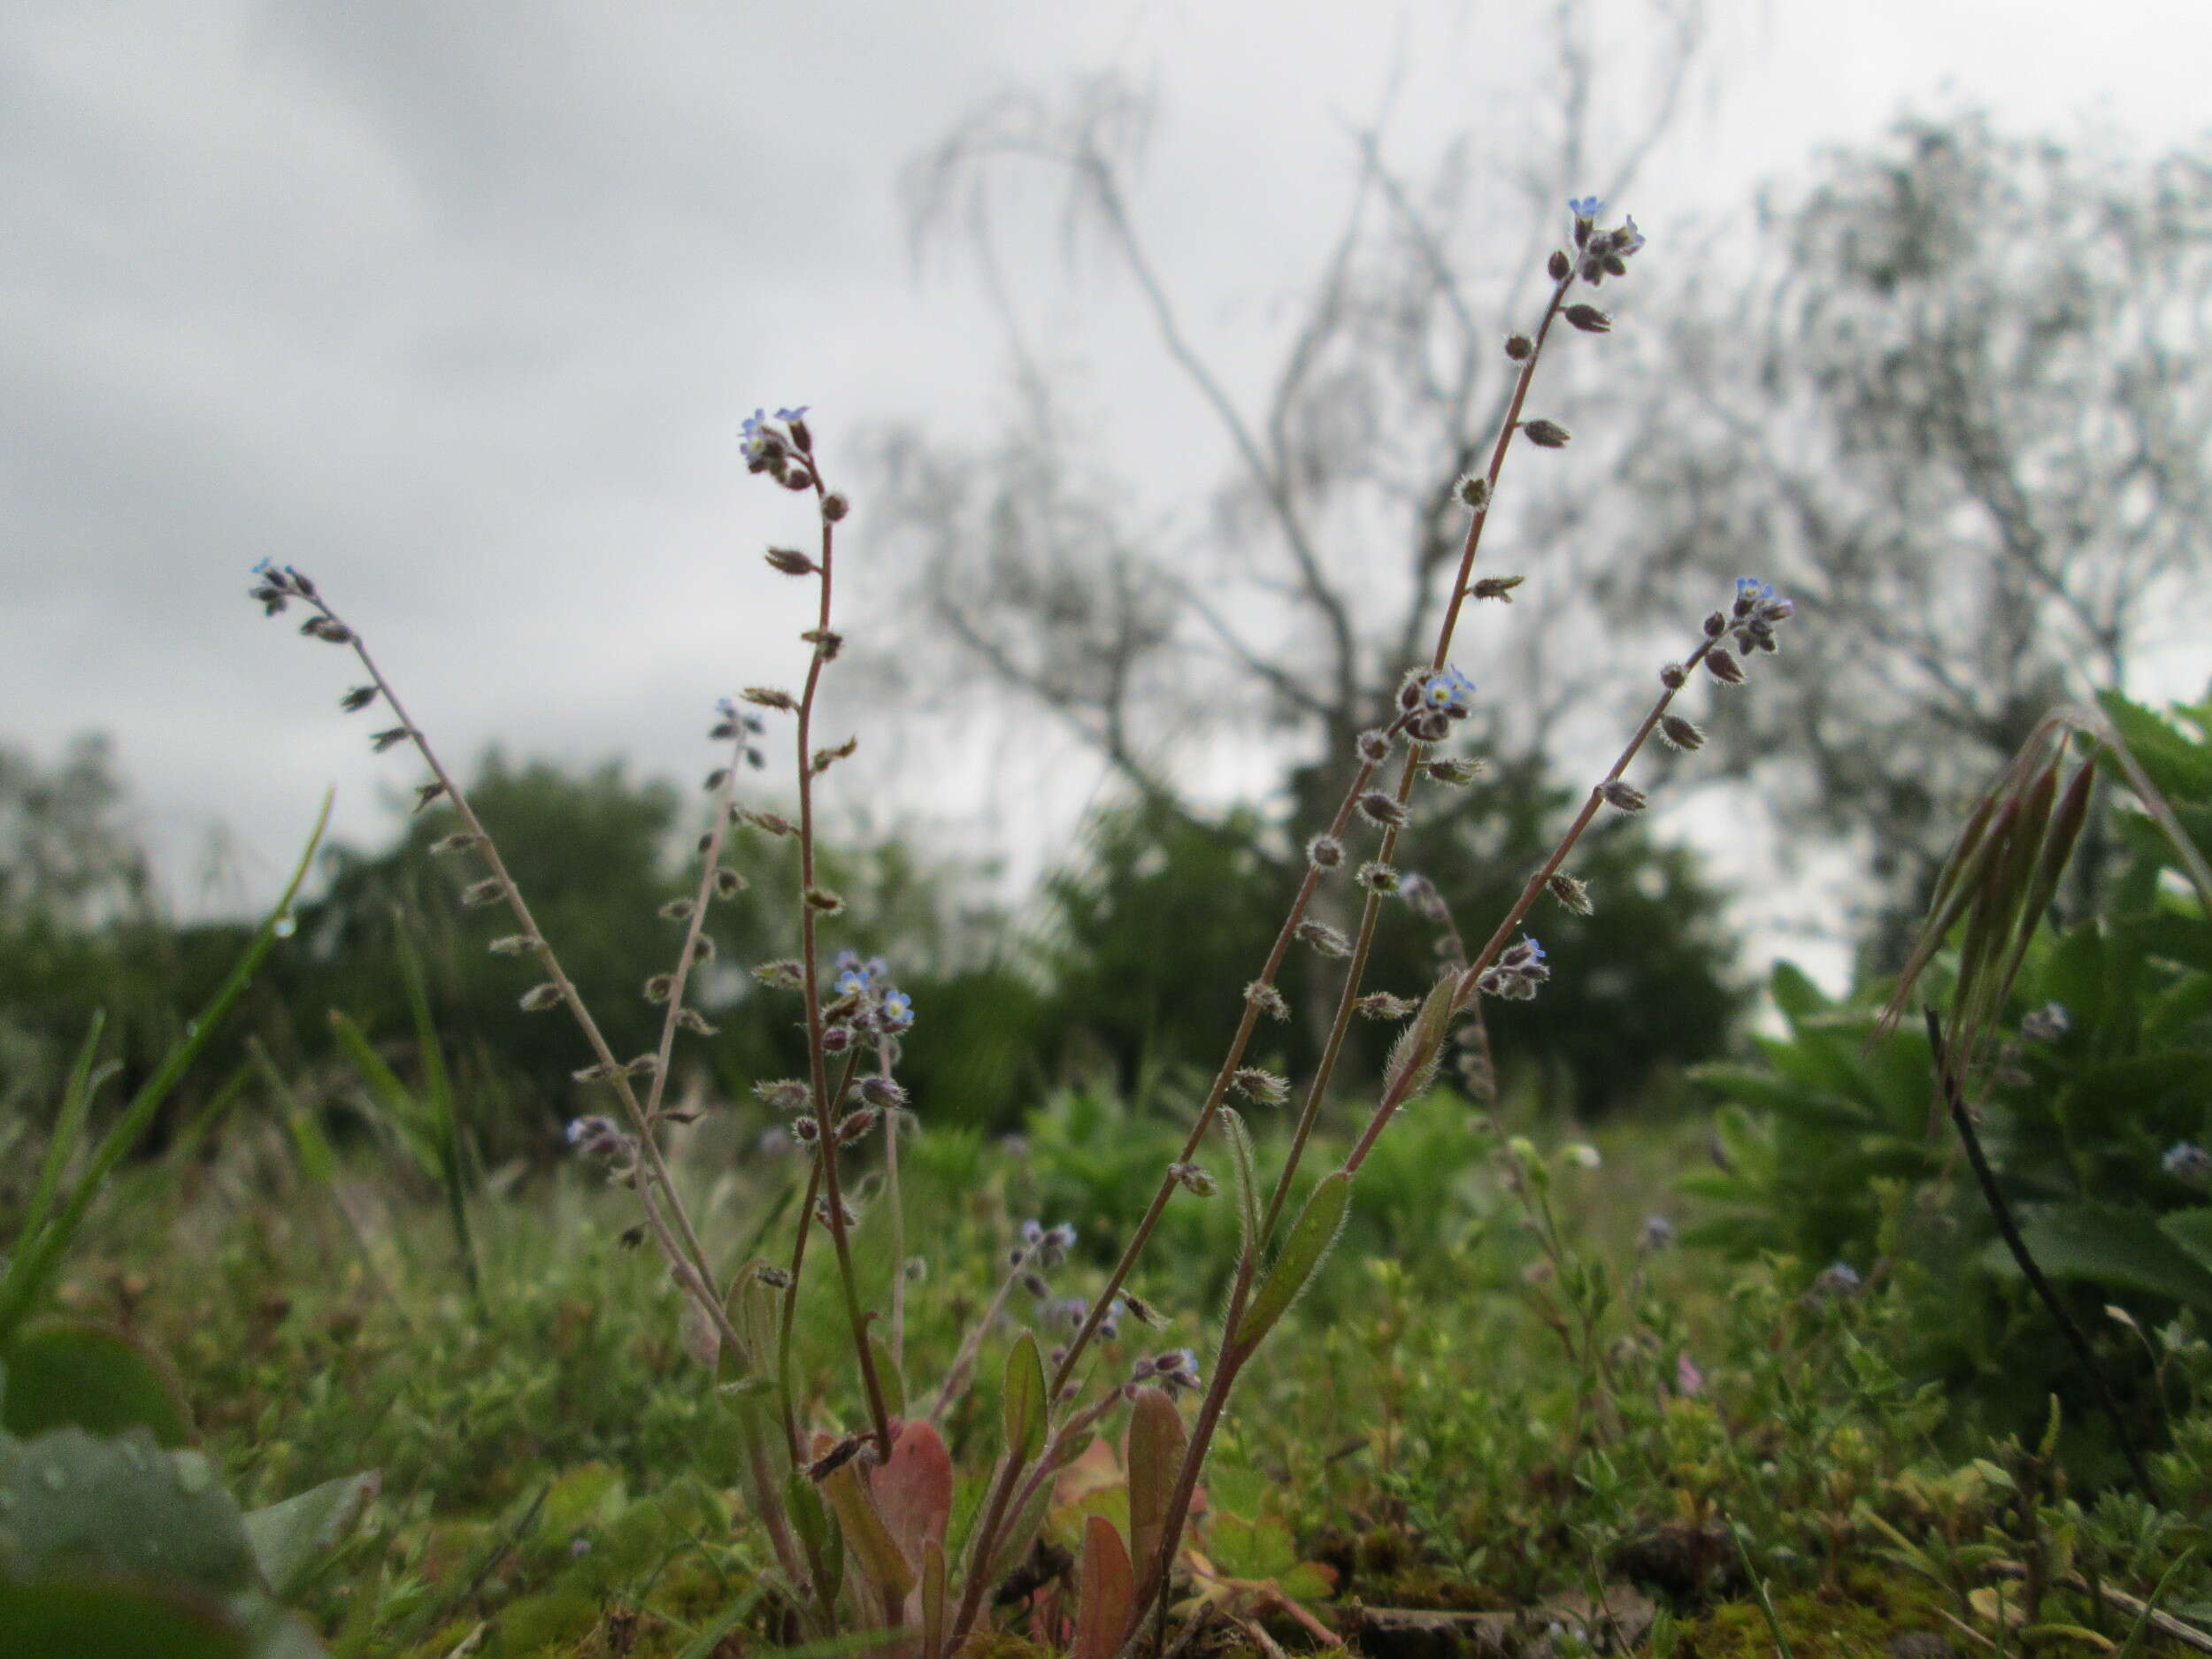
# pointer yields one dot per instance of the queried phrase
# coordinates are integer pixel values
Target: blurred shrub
(1152, 931)
(2097, 1105)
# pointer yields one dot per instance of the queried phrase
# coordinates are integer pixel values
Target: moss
(1858, 1621)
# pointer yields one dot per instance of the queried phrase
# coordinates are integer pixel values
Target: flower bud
(1457, 773)
(540, 997)
(1380, 808)
(1267, 999)
(1547, 435)
(1192, 1179)
(1716, 625)
(1374, 746)
(1500, 588)
(1589, 319)
(834, 507)
(790, 561)
(1263, 1086)
(1674, 677)
(1378, 877)
(1325, 852)
(1625, 796)
(1323, 938)
(1679, 732)
(1559, 265)
(836, 1038)
(1724, 667)
(1383, 1005)
(1519, 347)
(1474, 492)
(1570, 892)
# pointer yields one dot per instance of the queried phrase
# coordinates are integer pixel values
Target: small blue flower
(1449, 691)
(1535, 951)
(2188, 1161)
(1635, 238)
(1585, 206)
(1753, 588)
(794, 414)
(752, 439)
(1839, 1279)
(898, 1011)
(267, 567)
(851, 983)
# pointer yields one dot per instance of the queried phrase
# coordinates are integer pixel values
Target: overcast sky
(457, 306)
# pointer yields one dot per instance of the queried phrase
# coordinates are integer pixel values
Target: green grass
(558, 1469)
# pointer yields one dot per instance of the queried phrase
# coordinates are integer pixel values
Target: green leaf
(1302, 1253)
(100, 1619)
(405, 1115)
(34, 1262)
(1411, 1067)
(1240, 1140)
(76, 1502)
(824, 1544)
(291, 1538)
(1022, 1399)
(76, 1101)
(2117, 1247)
(887, 1377)
(1795, 994)
(65, 1372)
(874, 1550)
(1153, 1455)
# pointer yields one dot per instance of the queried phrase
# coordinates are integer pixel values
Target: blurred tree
(1162, 912)
(1289, 612)
(1964, 415)
(1281, 612)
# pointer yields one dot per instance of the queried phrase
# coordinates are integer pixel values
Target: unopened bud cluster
(1516, 974)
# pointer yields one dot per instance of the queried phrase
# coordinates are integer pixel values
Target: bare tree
(1963, 413)
(1296, 599)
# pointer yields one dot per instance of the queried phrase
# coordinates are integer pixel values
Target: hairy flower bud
(1374, 746)
(1499, 588)
(512, 944)
(1570, 892)
(1724, 667)
(1474, 492)
(1263, 1086)
(1625, 796)
(490, 890)
(1267, 999)
(1378, 877)
(1589, 319)
(1559, 265)
(677, 910)
(540, 997)
(1519, 347)
(1457, 773)
(790, 561)
(769, 697)
(1383, 1005)
(1382, 809)
(1325, 852)
(1547, 435)
(1323, 938)
(882, 1093)
(1679, 732)
(834, 507)
(1192, 1179)
(1674, 677)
